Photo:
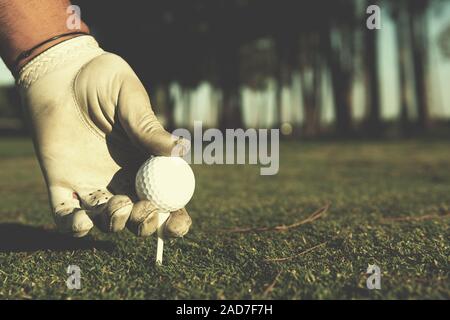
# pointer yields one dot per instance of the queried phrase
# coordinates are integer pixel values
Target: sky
(5, 76)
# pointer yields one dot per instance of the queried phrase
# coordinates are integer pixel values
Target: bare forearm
(26, 23)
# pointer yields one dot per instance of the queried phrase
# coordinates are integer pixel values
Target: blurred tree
(444, 41)
(417, 11)
(340, 54)
(229, 29)
(412, 34)
(311, 69)
(312, 62)
(371, 65)
(12, 116)
(401, 18)
(186, 42)
(285, 31)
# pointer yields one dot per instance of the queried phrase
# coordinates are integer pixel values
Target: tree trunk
(418, 36)
(372, 84)
(342, 87)
(312, 100)
(169, 108)
(286, 53)
(230, 115)
(283, 79)
(341, 81)
(403, 43)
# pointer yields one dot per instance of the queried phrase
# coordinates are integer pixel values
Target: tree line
(192, 41)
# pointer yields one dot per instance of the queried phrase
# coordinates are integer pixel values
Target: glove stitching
(54, 57)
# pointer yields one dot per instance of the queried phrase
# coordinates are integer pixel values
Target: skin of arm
(24, 24)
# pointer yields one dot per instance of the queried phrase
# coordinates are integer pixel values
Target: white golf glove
(93, 126)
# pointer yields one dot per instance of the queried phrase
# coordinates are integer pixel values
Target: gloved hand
(93, 126)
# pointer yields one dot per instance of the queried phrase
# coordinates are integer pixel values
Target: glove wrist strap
(77, 49)
(28, 53)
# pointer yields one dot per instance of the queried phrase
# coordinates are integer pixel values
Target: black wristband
(27, 53)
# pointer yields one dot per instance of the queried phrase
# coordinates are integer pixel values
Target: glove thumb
(140, 123)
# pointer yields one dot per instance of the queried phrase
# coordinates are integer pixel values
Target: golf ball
(168, 182)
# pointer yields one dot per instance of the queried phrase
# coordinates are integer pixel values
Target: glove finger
(143, 219)
(178, 224)
(110, 212)
(71, 219)
(94, 199)
(141, 125)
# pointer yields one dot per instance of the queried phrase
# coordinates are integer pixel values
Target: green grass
(367, 185)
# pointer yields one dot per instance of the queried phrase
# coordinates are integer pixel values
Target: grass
(389, 207)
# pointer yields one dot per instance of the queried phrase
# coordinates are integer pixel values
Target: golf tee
(162, 217)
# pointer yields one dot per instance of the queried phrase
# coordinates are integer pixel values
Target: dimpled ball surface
(168, 182)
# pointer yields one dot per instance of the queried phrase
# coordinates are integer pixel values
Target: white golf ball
(168, 182)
